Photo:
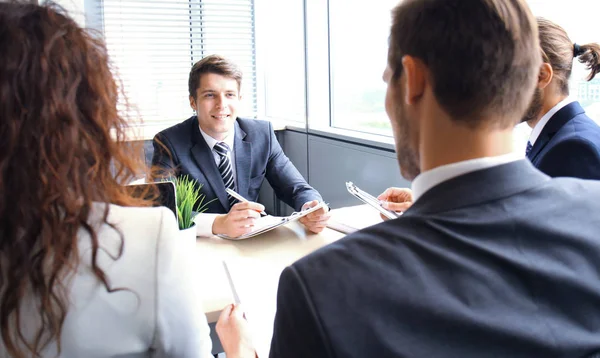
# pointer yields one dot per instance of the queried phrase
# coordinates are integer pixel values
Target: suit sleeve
(286, 180)
(572, 158)
(297, 332)
(181, 326)
(163, 158)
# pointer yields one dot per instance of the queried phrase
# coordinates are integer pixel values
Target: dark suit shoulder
(180, 130)
(368, 250)
(580, 127)
(255, 129)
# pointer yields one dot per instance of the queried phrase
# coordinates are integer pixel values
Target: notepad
(370, 200)
(269, 222)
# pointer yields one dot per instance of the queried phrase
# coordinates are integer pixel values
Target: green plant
(188, 196)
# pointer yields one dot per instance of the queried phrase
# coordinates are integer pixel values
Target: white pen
(241, 198)
(236, 298)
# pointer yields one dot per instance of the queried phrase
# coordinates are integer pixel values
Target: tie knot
(221, 148)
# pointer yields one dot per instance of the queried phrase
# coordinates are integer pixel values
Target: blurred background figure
(564, 141)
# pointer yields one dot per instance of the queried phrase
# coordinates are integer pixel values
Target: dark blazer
(500, 262)
(569, 145)
(258, 155)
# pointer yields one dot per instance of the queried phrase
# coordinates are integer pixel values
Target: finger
(238, 311)
(249, 205)
(244, 222)
(309, 204)
(244, 214)
(320, 212)
(385, 194)
(225, 313)
(400, 194)
(398, 207)
(316, 229)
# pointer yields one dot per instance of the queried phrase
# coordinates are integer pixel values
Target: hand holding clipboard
(371, 201)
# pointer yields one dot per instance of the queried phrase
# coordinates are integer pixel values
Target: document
(370, 200)
(269, 222)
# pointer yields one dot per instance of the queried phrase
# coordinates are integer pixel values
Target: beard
(535, 107)
(408, 158)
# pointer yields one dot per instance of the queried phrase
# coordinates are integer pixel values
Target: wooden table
(256, 264)
(276, 249)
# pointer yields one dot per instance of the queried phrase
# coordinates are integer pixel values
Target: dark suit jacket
(569, 145)
(501, 262)
(258, 155)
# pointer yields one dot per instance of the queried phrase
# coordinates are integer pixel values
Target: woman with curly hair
(85, 271)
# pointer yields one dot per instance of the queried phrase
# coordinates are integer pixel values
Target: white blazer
(159, 312)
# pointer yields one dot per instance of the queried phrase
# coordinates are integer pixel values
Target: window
(153, 45)
(358, 37)
(280, 59)
(358, 55)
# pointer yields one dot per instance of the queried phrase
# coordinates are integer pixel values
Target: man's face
(535, 108)
(216, 102)
(404, 128)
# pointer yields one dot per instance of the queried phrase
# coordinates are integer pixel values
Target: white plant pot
(189, 235)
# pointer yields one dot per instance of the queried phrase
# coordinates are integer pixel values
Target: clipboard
(370, 200)
(269, 222)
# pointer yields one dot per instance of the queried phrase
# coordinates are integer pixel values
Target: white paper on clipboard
(269, 222)
(370, 200)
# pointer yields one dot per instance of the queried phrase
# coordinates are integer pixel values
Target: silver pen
(241, 198)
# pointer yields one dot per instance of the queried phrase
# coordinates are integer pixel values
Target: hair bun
(577, 50)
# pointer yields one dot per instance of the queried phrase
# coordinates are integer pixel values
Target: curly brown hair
(62, 148)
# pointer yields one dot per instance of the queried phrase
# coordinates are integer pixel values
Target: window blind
(153, 45)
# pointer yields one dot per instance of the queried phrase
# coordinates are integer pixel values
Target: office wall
(328, 163)
(332, 163)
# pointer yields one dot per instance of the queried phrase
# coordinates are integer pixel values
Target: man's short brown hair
(213, 64)
(483, 55)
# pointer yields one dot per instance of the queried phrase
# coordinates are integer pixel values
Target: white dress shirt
(204, 222)
(427, 180)
(537, 130)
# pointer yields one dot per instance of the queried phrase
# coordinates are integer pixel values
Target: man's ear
(415, 75)
(192, 103)
(545, 76)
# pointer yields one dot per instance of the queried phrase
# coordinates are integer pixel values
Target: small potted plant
(188, 196)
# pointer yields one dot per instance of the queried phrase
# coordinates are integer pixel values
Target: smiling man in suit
(494, 258)
(564, 141)
(221, 150)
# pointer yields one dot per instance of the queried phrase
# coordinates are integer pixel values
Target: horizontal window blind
(153, 45)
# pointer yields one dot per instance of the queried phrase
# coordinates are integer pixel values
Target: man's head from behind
(214, 88)
(465, 63)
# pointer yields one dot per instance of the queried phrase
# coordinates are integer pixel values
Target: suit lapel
(206, 162)
(243, 159)
(556, 122)
(479, 187)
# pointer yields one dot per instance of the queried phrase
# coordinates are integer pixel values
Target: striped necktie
(528, 149)
(225, 169)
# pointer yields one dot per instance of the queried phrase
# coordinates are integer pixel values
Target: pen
(236, 298)
(241, 198)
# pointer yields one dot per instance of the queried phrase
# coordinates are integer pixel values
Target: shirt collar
(211, 141)
(537, 130)
(427, 180)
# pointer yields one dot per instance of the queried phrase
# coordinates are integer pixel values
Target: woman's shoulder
(145, 223)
